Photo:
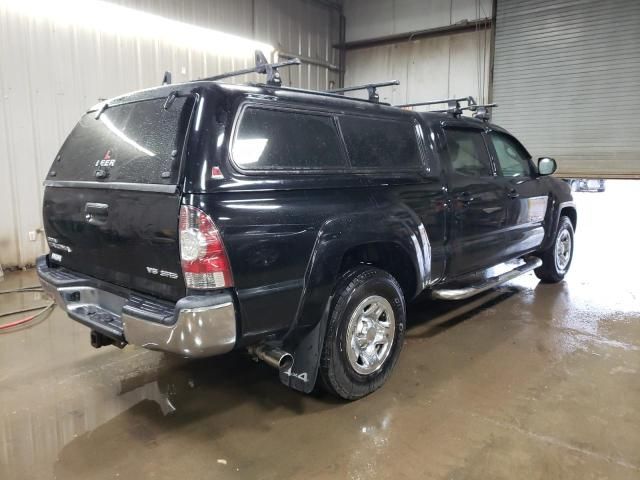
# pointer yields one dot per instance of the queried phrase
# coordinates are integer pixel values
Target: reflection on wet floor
(526, 381)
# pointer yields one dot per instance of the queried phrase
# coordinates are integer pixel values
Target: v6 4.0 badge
(162, 273)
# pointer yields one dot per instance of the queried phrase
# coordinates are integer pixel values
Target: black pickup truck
(205, 217)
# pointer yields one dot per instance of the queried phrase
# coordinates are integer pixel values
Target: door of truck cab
(478, 201)
(527, 196)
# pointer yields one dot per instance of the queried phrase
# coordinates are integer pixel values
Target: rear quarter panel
(270, 237)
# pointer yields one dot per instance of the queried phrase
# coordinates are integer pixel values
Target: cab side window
(468, 153)
(512, 158)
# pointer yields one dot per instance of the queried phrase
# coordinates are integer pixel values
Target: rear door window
(467, 152)
(137, 142)
(381, 143)
(268, 139)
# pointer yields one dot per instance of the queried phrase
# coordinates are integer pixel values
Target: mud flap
(306, 351)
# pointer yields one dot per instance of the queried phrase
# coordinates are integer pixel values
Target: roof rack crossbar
(471, 108)
(262, 67)
(436, 102)
(481, 111)
(371, 89)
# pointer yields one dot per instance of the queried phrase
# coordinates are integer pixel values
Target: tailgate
(111, 203)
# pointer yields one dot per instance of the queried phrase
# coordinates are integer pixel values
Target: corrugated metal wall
(567, 79)
(448, 65)
(51, 72)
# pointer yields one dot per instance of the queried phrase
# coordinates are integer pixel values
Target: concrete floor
(529, 381)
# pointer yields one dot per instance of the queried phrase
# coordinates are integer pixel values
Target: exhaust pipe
(272, 356)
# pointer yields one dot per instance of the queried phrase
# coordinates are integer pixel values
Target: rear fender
(305, 338)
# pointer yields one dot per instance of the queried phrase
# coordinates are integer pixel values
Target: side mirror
(547, 166)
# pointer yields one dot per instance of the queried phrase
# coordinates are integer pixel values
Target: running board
(472, 290)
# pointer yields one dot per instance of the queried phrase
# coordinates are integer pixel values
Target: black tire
(355, 288)
(552, 269)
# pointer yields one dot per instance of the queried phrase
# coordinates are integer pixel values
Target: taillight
(204, 261)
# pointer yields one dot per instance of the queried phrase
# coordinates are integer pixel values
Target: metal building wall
(378, 18)
(437, 66)
(304, 28)
(567, 79)
(50, 73)
(430, 68)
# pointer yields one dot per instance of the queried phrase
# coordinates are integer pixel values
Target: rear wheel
(365, 333)
(556, 260)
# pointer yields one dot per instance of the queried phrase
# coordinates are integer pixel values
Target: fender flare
(555, 220)
(305, 338)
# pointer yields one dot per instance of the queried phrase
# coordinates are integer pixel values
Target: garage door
(567, 81)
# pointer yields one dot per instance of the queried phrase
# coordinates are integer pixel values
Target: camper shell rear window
(137, 142)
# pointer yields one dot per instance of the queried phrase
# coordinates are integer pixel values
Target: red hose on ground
(22, 321)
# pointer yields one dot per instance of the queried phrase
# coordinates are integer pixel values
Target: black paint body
(288, 235)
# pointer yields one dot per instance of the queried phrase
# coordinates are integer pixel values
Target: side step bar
(472, 290)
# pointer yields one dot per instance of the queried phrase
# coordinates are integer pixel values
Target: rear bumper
(195, 326)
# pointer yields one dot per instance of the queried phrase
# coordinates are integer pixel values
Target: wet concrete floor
(528, 381)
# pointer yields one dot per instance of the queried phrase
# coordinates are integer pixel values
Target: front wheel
(556, 260)
(365, 333)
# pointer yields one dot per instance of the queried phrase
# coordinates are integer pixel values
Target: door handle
(513, 193)
(96, 212)
(465, 198)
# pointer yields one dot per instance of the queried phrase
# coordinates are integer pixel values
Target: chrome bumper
(196, 326)
(198, 332)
